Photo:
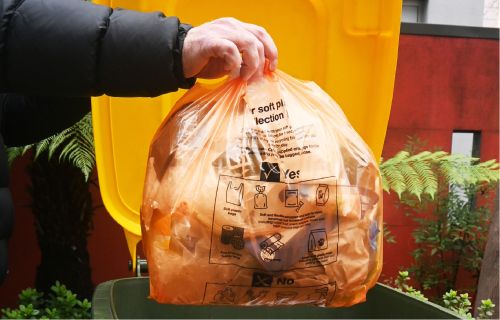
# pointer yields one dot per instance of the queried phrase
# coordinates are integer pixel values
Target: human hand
(227, 45)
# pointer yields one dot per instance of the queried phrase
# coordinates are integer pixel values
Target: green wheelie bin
(128, 298)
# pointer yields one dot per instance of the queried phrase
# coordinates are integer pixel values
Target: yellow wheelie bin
(348, 47)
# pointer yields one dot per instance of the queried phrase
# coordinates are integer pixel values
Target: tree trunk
(62, 206)
(488, 278)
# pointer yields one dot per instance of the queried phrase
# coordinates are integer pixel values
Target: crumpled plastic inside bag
(261, 193)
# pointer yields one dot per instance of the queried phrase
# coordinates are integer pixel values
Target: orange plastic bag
(261, 194)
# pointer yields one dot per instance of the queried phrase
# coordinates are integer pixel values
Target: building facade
(474, 13)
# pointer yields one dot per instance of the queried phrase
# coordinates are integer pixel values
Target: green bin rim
(104, 294)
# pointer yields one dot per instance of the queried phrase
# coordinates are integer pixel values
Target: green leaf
(41, 147)
(16, 152)
(75, 145)
(420, 174)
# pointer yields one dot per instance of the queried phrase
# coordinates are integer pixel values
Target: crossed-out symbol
(261, 280)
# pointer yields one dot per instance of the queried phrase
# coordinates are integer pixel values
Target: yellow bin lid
(348, 47)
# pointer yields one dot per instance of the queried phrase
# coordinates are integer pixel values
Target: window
(413, 11)
(466, 143)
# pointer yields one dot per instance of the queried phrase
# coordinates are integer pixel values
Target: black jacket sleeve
(28, 119)
(75, 48)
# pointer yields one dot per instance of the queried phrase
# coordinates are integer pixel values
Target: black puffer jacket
(55, 54)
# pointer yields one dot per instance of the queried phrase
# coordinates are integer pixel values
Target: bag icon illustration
(234, 193)
(317, 240)
(260, 199)
(322, 195)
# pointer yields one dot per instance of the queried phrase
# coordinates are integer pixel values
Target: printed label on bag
(268, 129)
(283, 142)
(274, 225)
(269, 292)
(274, 111)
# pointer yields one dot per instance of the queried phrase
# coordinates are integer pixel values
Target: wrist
(183, 82)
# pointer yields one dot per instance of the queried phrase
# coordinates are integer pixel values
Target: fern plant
(419, 174)
(75, 145)
(446, 194)
(62, 205)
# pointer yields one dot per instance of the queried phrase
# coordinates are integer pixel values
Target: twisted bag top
(261, 194)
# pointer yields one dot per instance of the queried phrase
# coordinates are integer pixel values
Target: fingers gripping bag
(261, 193)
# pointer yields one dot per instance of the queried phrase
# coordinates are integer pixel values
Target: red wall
(442, 84)
(107, 246)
